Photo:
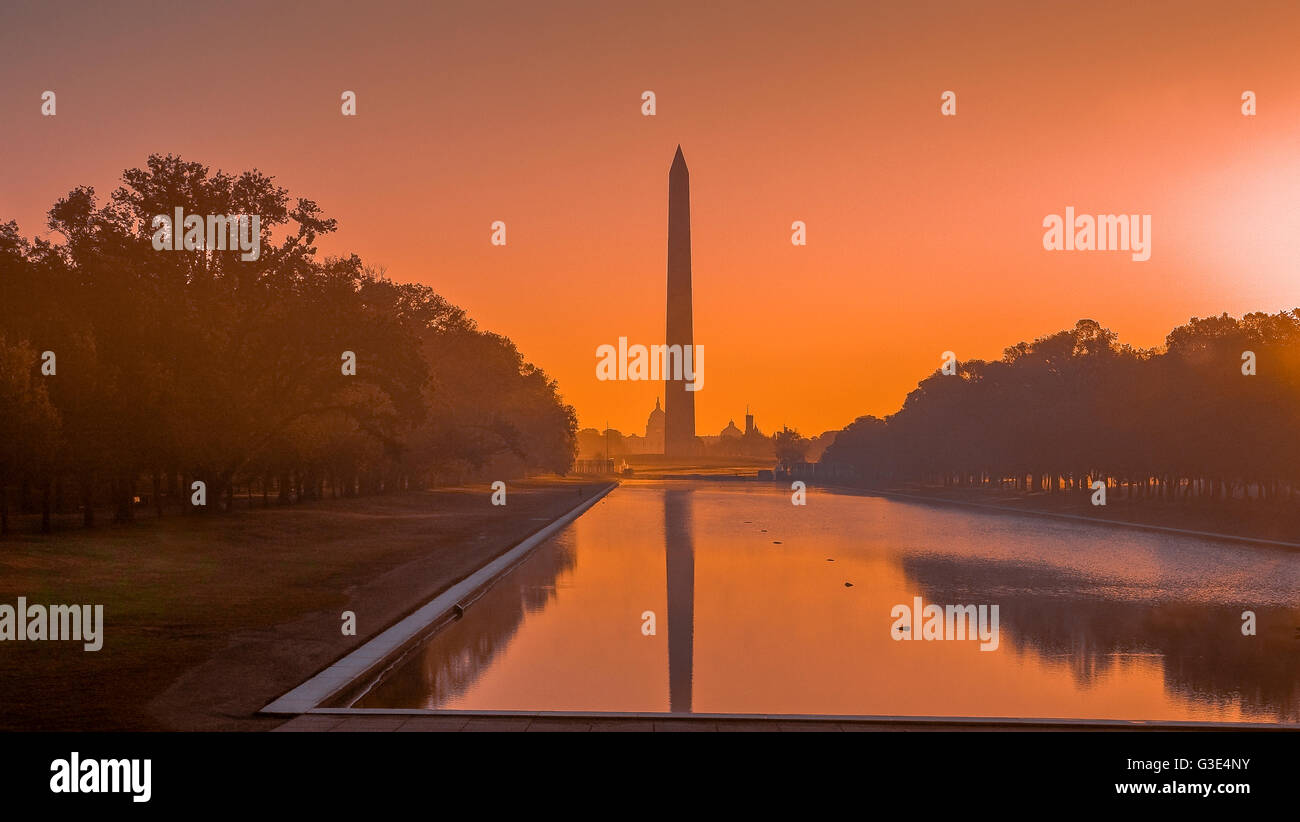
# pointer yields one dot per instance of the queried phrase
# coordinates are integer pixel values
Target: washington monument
(679, 403)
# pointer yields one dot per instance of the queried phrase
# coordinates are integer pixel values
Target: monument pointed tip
(679, 158)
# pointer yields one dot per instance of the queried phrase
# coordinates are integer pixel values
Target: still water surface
(752, 615)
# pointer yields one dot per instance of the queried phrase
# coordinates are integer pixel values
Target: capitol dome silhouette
(654, 429)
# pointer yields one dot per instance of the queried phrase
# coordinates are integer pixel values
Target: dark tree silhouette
(790, 446)
(174, 367)
(1077, 406)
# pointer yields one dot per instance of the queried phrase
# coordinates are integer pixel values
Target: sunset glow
(924, 231)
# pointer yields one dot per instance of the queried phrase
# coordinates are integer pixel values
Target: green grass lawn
(208, 618)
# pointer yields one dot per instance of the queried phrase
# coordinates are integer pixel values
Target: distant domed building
(731, 432)
(654, 430)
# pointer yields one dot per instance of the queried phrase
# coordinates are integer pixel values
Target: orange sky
(924, 232)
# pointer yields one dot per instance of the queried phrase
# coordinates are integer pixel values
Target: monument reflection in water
(679, 551)
(1096, 621)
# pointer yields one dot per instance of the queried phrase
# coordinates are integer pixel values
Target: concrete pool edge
(361, 717)
(376, 652)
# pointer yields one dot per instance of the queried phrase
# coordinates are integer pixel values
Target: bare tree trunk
(124, 499)
(88, 500)
(46, 499)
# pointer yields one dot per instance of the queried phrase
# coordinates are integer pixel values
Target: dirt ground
(207, 619)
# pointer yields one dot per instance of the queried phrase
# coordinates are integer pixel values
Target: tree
(790, 447)
(175, 366)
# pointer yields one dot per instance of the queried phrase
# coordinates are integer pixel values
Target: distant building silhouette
(679, 404)
(594, 444)
(654, 430)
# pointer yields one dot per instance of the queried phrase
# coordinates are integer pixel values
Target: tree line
(1210, 414)
(128, 373)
